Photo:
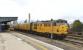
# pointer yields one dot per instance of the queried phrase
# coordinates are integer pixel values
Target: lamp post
(51, 35)
(29, 22)
(51, 30)
(29, 18)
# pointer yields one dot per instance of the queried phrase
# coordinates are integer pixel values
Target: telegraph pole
(29, 18)
(51, 29)
(29, 22)
(51, 36)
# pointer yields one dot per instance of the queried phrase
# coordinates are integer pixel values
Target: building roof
(7, 19)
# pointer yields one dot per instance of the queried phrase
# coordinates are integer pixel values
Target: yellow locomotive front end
(60, 28)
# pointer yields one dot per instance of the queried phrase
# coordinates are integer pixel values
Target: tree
(77, 26)
(51, 19)
(25, 21)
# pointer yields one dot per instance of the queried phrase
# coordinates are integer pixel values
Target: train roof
(52, 21)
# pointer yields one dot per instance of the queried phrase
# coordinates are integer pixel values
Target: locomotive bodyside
(48, 28)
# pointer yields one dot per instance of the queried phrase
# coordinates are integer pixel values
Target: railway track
(75, 42)
(75, 39)
(76, 35)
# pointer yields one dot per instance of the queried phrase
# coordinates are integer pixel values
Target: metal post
(29, 17)
(51, 31)
(29, 22)
(51, 36)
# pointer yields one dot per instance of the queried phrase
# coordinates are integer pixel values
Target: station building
(4, 22)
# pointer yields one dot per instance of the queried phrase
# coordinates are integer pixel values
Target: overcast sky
(43, 9)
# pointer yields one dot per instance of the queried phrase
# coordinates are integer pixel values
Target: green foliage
(77, 26)
(51, 19)
(25, 21)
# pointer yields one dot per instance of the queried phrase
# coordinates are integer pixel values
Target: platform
(9, 41)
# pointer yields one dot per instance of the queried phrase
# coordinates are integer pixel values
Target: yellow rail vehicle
(47, 28)
(58, 29)
(16, 27)
(22, 27)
